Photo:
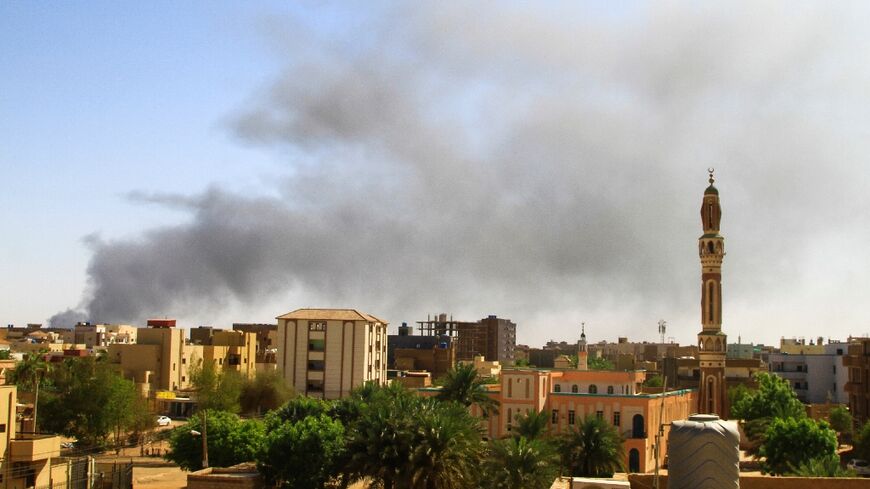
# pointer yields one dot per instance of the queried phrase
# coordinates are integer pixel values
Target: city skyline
(218, 164)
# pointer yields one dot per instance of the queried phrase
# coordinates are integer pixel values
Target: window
(183, 361)
(610, 389)
(557, 387)
(593, 389)
(575, 389)
(183, 379)
(316, 345)
(510, 391)
(316, 325)
(571, 416)
(509, 418)
(233, 359)
(599, 414)
(3, 428)
(616, 418)
(555, 418)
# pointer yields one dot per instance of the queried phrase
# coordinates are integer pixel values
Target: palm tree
(520, 463)
(532, 425)
(27, 375)
(404, 441)
(28, 371)
(464, 385)
(593, 449)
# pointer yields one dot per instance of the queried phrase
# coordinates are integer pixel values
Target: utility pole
(204, 438)
(661, 431)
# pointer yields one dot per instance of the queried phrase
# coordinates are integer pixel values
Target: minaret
(582, 353)
(712, 398)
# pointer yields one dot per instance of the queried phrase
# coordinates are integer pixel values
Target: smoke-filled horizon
(545, 166)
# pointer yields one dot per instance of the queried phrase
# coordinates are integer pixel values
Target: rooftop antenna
(663, 326)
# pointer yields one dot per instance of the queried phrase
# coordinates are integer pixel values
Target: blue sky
(540, 163)
(103, 98)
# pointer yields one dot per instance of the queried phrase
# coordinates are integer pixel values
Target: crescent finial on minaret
(710, 171)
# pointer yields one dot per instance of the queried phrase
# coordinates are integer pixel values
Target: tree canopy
(520, 463)
(216, 388)
(230, 440)
(463, 384)
(593, 449)
(791, 442)
(301, 453)
(88, 400)
(774, 398)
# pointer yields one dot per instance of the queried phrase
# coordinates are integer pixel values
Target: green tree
(828, 466)
(593, 449)
(737, 393)
(216, 388)
(521, 362)
(861, 443)
(519, 463)
(32, 368)
(791, 442)
(301, 454)
(88, 400)
(405, 441)
(265, 392)
(841, 421)
(599, 363)
(774, 398)
(532, 425)
(230, 440)
(654, 381)
(464, 385)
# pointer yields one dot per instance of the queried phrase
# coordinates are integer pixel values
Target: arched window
(710, 247)
(610, 389)
(634, 460)
(708, 345)
(593, 389)
(575, 389)
(557, 387)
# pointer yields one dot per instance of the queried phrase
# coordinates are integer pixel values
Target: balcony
(26, 447)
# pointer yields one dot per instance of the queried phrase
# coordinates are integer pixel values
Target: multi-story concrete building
(493, 337)
(100, 335)
(26, 458)
(407, 352)
(328, 352)
(159, 363)
(818, 377)
(857, 361)
(267, 339)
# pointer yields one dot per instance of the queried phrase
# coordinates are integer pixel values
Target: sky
(221, 162)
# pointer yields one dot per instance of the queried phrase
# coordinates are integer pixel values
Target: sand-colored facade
(328, 352)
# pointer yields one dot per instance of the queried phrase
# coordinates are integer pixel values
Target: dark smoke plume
(545, 166)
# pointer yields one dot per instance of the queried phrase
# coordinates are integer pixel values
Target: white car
(163, 421)
(861, 467)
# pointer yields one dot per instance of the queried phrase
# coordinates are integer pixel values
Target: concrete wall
(645, 481)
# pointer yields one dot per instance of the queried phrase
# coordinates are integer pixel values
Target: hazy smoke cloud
(543, 166)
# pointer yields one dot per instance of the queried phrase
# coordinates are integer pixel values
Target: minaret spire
(711, 340)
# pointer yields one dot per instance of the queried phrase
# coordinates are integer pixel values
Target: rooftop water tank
(703, 452)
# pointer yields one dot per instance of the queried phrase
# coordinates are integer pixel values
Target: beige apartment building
(159, 362)
(328, 352)
(100, 335)
(26, 458)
